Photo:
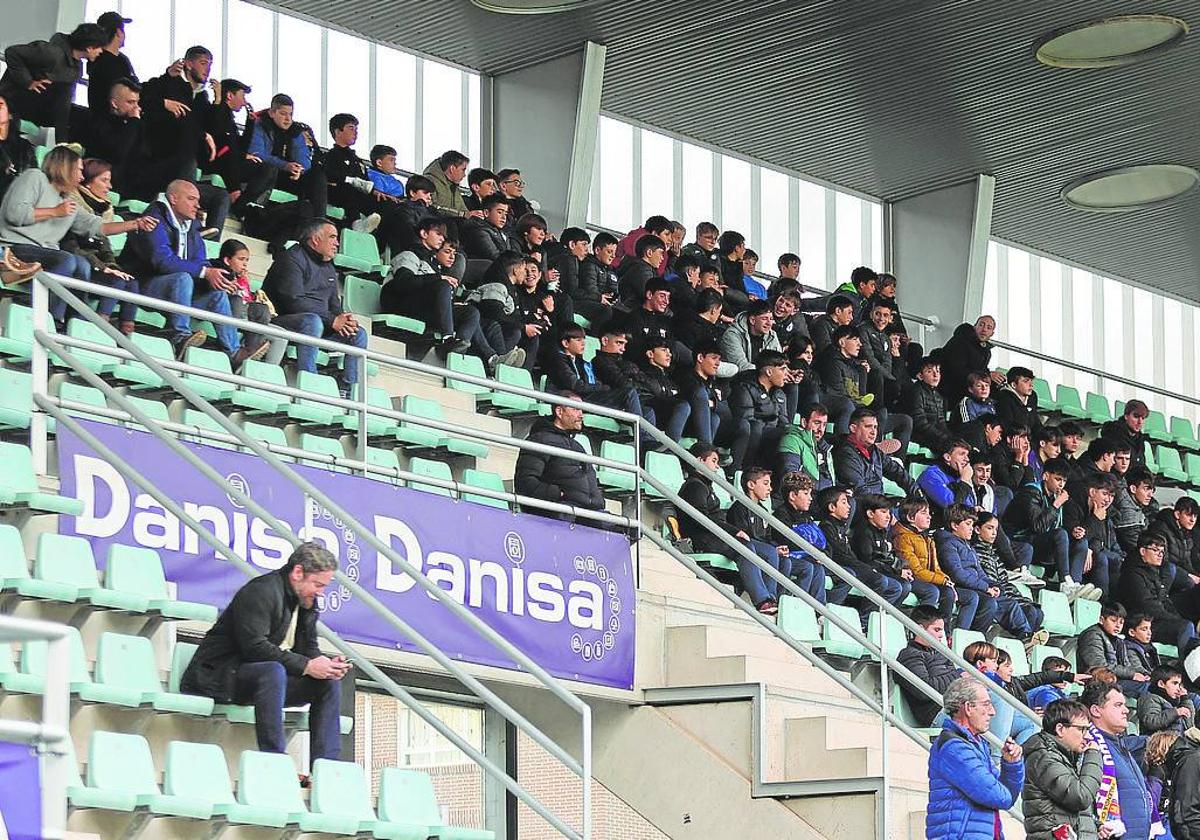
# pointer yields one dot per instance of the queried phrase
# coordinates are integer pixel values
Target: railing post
(363, 406)
(40, 370)
(884, 756)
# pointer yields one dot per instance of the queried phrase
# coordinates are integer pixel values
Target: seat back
(13, 563)
(510, 375)
(263, 372)
(472, 365)
(1016, 649)
(340, 788)
(35, 653)
(16, 468)
(127, 662)
(486, 480)
(181, 657)
(798, 619)
(136, 570)
(64, 559)
(1156, 424)
(269, 780)
(1168, 458)
(85, 394)
(154, 409)
(16, 398)
(197, 771)
(433, 469)
(666, 468)
(406, 796)
(1097, 405)
(1181, 429)
(422, 407)
(266, 434)
(318, 383)
(360, 245)
(1068, 397)
(362, 296)
(964, 638)
(118, 762)
(18, 328)
(85, 330)
(324, 446)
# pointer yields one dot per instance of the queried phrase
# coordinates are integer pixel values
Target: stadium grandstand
(577, 419)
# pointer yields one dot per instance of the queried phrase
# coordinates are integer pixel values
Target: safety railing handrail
(45, 282)
(1099, 374)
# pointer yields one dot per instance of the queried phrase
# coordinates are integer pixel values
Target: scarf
(1108, 803)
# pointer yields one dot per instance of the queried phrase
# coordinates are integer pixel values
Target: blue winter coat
(960, 562)
(1131, 788)
(966, 789)
(151, 253)
(944, 489)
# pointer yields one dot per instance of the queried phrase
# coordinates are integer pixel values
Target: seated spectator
(1014, 612)
(928, 411)
(486, 342)
(416, 206)
(805, 449)
(1016, 403)
(976, 594)
(1166, 706)
(38, 212)
(109, 65)
(731, 246)
(755, 289)
(759, 408)
(928, 665)
(697, 491)
(1010, 461)
(662, 403)
(861, 464)
(1144, 589)
(800, 356)
(788, 267)
(684, 277)
(246, 178)
(482, 183)
(1140, 652)
(879, 567)
(636, 273)
(887, 369)
(1046, 445)
(567, 370)
(39, 82)
(118, 136)
(1127, 431)
(446, 173)
(995, 500)
(1097, 461)
(797, 489)
(611, 364)
(1007, 724)
(368, 209)
(234, 259)
(657, 226)
(948, 481)
(1040, 697)
(706, 324)
(885, 292)
(418, 288)
(969, 349)
(978, 400)
(652, 321)
(839, 312)
(704, 249)
(1018, 687)
(861, 286)
(512, 187)
(485, 238)
(1102, 646)
(92, 197)
(843, 377)
(553, 478)
(495, 298)
(1091, 530)
(914, 543)
(567, 261)
(1120, 771)
(1060, 787)
(1036, 517)
(1072, 441)
(1177, 528)
(383, 171)
(16, 153)
(598, 285)
(530, 233)
(966, 790)
(302, 284)
(278, 141)
(754, 532)
(833, 506)
(751, 333)
(1133, 505)
(542, 301)
(790, 326)
(699, 386)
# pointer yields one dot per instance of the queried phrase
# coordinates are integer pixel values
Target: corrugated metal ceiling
(887, 98)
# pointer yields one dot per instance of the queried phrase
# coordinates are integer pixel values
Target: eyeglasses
(987, 704)
(1082, 727)
(1155, 549)
(517, 182)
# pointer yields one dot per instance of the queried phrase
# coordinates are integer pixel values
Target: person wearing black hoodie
(552, 478)
(649, 252)
(567, 370)
(759, 407)
(1017, 403)
(1126, 430)
(1177, 527)
(970, 348)
(697, 491)
(662, 403)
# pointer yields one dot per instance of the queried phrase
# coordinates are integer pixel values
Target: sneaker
(1090, 593)
(1040, 637)
(367, 224)
(1071, 589)
(1023, 575)
(514, 357)
(889, 446)
(181, 345)
(246, 353)
(450, 344)
(210, 233)
(768, 607)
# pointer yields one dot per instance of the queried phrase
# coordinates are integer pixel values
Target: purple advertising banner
(20, 792)
(563, 594)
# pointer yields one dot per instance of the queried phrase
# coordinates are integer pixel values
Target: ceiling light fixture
(1111, 41)
(529, 7)
(1130, 188)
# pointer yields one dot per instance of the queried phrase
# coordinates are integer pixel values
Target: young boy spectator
(1092, 533)
(839, 312)
(797, 491)
(699, 386)
(598, 284)
(662, 403)
(759, 408)
(755, 533)
(1046, 444)
(927, 664)
(697, 491)
(1039, 697)
(1016, 402)
(833, 506)
(1146, 589)
(383, 171)
(482, 183)
(649, 254)
(567, 370)
(925, 405)
(1133, 505)
(1140, 652)
(1098, 460)
(1006, 723)
(978, 400)
(1127, 431)
(1166, 705)
(976, 594)
(1014, 612)
(1177, 527)
(876, 557)
(914, 543)
(1072, 440)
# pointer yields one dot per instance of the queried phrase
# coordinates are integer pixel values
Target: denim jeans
(1106, 570)
(1008, 723)
(1054, 549)
(56, 262)
(809, 575)
(105, 306)
(674, 412)
(269, 688)
(309, 323)
(705, 419)
(939, 597)
(976, 610)
(758, 585)
(1018, 617)
(180, 288)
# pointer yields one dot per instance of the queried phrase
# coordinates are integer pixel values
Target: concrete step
(680, 589)
(812, 754)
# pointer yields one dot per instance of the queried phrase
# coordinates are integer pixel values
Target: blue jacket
(966, 789)
(386, 184)
(943, 489)
(865, 475)
(152, 253)
(1043, 696)
(1131, 788)
(300, 282)
(264, 137)
(960, 562)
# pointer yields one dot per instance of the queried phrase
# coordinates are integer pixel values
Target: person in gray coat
(751, 333)
(1166, 705)
(1062, 774)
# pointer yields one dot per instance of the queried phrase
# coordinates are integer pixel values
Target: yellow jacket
(919, 552)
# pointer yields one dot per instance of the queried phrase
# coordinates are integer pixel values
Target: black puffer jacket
(928, 412)
(595, 279)
(932, 668)
(1059, 788)
(1183, 769)
(1118, 432)
(483, 241)
(557, 479)
(698, 492)
(1182, 546)
(960, 355)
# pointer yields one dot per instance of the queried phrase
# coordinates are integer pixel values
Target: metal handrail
(1099, 374)
(62, 287)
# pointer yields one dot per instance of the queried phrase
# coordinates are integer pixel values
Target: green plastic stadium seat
(1069, 402)
(341, 799)
(510, 405)
(359, 252)
(1193, 468)
(116, 241)
(137, 374)
(385, 458)
(1151, 461)
(14, 572)
(836, 641)
(1184, 434)
(611, 479)
(311, 412)
(1086, 613)
(902, 710)
(139, 571)
(896, 638)
(210, 389)
(963, 638)
(426, 438)
(798, 619)
(134, 205)
(1156, 427)
(1059, 620)
(326, 450)
(487, 481)
(31, 679)
(714, 561)
(1166, 651)
(407, 797)
(334, 212)
(666, 468)
(16, 342)
(16, 399)
(362, 298)
(1042, 388)
(69, 561)
(431, 469)
(199, 771)
(181, 657)
(93, 360)
(472, 365)
(18, 484)
(1016, 649)
(270, 435)
(269, 781)
(126, 675)
(122, 764)
(1097, 407)
(87, 395)
(200, 421)
(377, 427)
(256, 402)
(1037, 659)
(1169, 463)
(153, 409)
(591, 345)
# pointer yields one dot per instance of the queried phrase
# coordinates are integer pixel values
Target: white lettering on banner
(90, 523)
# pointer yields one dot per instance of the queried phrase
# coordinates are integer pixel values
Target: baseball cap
(233, 86)
(112, 21)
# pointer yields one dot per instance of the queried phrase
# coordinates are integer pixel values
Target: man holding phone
(263, 652)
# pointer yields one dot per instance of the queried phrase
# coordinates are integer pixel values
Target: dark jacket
(842, 375)
(595, 279)
(821, 330)
(750, 400)
(959, 356)
(631, 282)
(251, 629)
(873, 548)
(961, 562)
(1143, 658)
(1129, 518)
(1099, 534)
(229, 140)
(1012, 411)
(753, 522)
(698, 492)
(1096, 649)
(654, 383)
(1032, 512)
(1156, 712)
(877, 350)
(615, 370)
(481, 240)
(839, 546)
(102, 72)
(167, 134)
(299, 281)
(555, 479)
(1142, 589)
(693, 329)
(645, 326)
(150, 253)
(16, 155)
(1118, 432)
(935, 670)
(865, 473)
(1182, 546)
(1060, 787)
(1183, 769)
(40, 60)
(928, 412)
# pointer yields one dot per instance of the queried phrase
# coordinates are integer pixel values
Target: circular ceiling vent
(1111, 41)
(1130, 188)
(530, 7)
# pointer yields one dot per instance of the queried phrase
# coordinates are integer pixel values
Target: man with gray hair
(966, 790)
(263, 652)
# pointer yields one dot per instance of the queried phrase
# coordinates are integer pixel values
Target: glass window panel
(735, 197)
(1080, 346)
(1143, 357)
(196, 22)
(773, 213)
(349, 86)
(616, 161)
(148, 38)
(1017, 329)
(443, 110)
(250, 59)
(812, 234)
(876, 233)
(1172, 337)
(991, 281)
(1050, 311)
(396, 102)
(849, 235)
(697, 187)
(1114, 328)
(658, 174)
(475, 110)
(299, 71)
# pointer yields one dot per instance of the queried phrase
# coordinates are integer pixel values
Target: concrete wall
(31, 21)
